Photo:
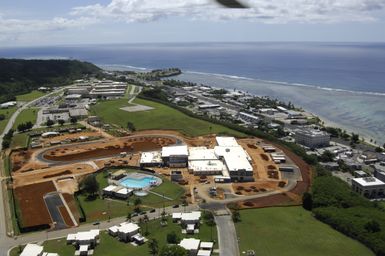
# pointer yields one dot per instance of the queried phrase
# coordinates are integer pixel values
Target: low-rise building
(249, 117)
(151, 159)
(236, 159)
(191, 245)
(312, 138)
(175, 156)
(126, 232)
(369, 187)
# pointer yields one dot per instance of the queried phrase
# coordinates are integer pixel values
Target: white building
(117, 191)
(175, 156)
(236, 159)
(191, 245)
(126, 232)
(369, 187)
(89, 238)
(203, 161)
(249, 118)
(312, 138)
(151, 159)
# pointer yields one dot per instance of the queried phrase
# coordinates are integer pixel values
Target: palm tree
(153, 246)
(146, 219)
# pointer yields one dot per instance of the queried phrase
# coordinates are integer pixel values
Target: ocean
(343, 83)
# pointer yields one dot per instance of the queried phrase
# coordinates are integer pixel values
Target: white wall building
(369, 187)
(312, 138)
(191, 245)
(175, 156)
(236, 159)
(126, 231)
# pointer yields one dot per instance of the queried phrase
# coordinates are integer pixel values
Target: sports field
(159, 118)
(292, 231)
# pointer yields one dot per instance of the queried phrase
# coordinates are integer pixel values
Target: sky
(76, 22)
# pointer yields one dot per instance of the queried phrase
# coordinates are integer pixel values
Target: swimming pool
(138, 183)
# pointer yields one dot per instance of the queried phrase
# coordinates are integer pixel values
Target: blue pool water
(137, 183)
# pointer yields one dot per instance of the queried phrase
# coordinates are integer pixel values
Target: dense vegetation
(334, 203)
(22, 76)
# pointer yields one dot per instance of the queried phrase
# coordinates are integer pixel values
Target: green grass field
(161, 117)
(19, 140)
(30, 96)
(7, 114)
(27, 115)
(292, 231)
(100, 209)
(112, 247)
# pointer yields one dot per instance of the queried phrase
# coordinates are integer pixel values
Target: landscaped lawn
(161, 117)
(112, 247)
(292, 231)
(27, 115)
(102, 209)
(7, 114)
(30, 96)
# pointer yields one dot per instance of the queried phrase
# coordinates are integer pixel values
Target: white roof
(204, 253)
(236, 158)
(201, 153)
(207, 245)
(369, 181)
(206, 165)
(114, 229)
(110, 188)
(83, 248)
(124, 191)
(150, 157)
(177, 215)
(71, 237)
(175, 151)
(191, 216)
(227, 141)
(49, 134)
(190, 243)
(128, 227)
(32, 250)
(87, 235)
(191, 227)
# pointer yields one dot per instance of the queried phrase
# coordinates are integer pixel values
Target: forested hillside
(22, 76)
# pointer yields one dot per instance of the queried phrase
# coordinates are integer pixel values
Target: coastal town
(89, 169)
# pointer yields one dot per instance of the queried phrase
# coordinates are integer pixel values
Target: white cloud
(14, 26)
(266, 11)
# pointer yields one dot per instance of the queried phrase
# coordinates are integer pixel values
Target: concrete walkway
(227, 236)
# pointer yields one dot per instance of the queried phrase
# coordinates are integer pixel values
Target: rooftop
(175, 151)
(150, 157)
(201, 153)
(227, 141)
(190, 244)
(369, 181)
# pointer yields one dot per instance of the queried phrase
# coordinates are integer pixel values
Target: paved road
(227, 236)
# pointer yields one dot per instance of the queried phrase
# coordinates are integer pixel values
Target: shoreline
(327, 122)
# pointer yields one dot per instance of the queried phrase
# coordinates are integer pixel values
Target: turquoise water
(137, 183)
